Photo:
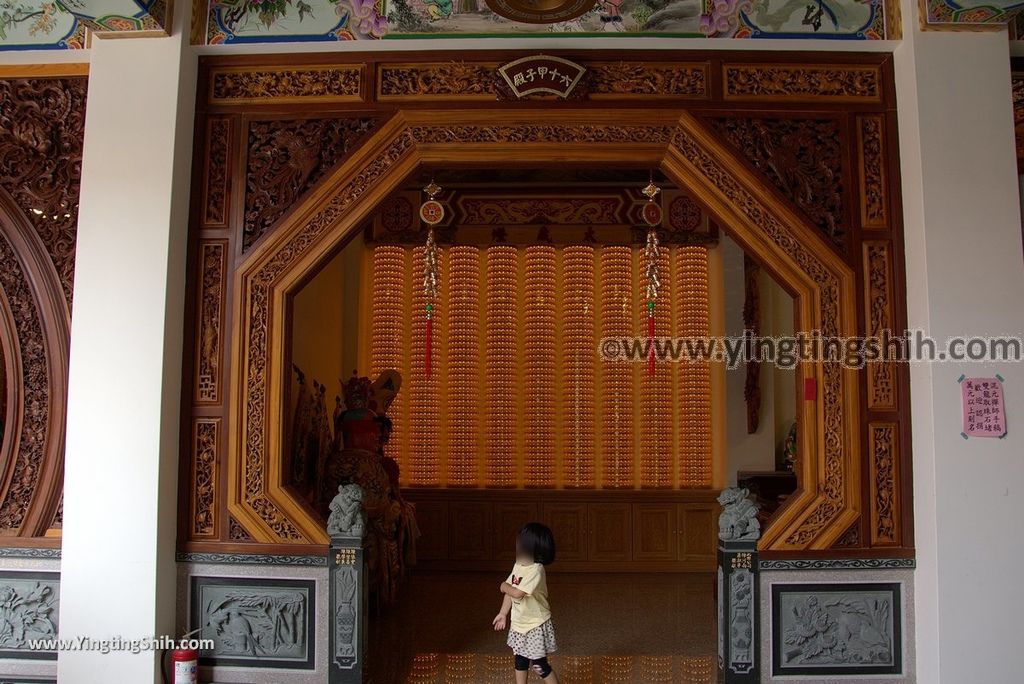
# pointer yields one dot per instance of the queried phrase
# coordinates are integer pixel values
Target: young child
(531, 635)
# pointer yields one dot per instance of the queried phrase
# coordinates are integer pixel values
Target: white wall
(965, 276)
(120, 491)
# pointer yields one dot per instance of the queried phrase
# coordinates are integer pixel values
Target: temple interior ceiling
(67, 24)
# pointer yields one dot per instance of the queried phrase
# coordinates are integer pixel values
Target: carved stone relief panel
(29, 603)
(836, 629)
(255, 622)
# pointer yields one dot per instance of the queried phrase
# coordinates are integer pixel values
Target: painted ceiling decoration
(243, 21)
(64, 24)
(949, 14)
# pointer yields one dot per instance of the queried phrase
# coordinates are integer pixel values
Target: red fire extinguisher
(184, 662)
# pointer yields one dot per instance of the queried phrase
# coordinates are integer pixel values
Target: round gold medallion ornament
(432, 212)
(541, 11)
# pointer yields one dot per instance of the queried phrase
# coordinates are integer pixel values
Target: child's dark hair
(536, 541)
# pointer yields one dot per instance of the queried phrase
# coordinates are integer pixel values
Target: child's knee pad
(541, 667)
(522, 664)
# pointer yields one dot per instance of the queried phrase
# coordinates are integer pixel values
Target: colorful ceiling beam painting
(240, 21)
(951, 15)
(62, 24)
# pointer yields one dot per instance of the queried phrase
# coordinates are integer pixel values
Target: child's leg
(543, 668)
(522, 666)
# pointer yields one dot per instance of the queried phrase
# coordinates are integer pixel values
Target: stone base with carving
(738, 632)
(348, 605)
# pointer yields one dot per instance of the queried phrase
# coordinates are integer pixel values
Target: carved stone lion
(346, 519)
(738, 521)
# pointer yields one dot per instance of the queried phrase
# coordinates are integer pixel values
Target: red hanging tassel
(650, 343)
(428, 345)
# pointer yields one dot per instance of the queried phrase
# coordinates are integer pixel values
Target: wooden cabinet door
(508, 519)
(611, 532)
(654, 532)
(432, 519)
(568, 522)
(469, 530)
(698, 527)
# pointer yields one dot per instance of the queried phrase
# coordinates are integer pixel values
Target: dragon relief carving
(286, 158)
(802, 158)
(41, 160)
(799, 82)
(316, 83)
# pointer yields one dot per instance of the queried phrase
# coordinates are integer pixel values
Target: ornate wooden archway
(828, 501)
(791, 158)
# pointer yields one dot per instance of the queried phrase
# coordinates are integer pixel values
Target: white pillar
(965, 277)
(120, 490)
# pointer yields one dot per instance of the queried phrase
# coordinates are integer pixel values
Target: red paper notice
(984, 413)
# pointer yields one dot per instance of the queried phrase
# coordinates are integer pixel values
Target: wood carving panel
(883, 450)
(256, 354)
(286, 158)
(803, 159)
(880, 320)
(236, 532)
(42, 124)
(458, 80)
(218, 170)
(41, 160)
(834, 476)
(36, 397)
(282, 85)
(204, 476)
(212, 260)
(853, 83)
(871, 147)
(626, 80)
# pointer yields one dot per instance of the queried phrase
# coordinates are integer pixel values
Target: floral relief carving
(256, 335)
(36, 397)
(218, 145)
(802, 158)
(831, 485)
(258, 285)
(882, 450)
(212, 257)
(874, 213)
(204, 476)
(798, 82)
(878, 301)
(41, 160)
(315, 83)
(236, 532)
(286, 158)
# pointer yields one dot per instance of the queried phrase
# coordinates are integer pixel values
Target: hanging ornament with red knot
(431, 213)
(652, 254)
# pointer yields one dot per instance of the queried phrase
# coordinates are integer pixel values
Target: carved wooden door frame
(825, 287)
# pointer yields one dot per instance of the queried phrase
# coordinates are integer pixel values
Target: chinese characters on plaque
(984, 414)
(541, 74)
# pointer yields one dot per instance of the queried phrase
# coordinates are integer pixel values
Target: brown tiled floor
(635, 628)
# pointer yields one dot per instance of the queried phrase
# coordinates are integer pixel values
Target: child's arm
(509, 591)
(500, 621)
